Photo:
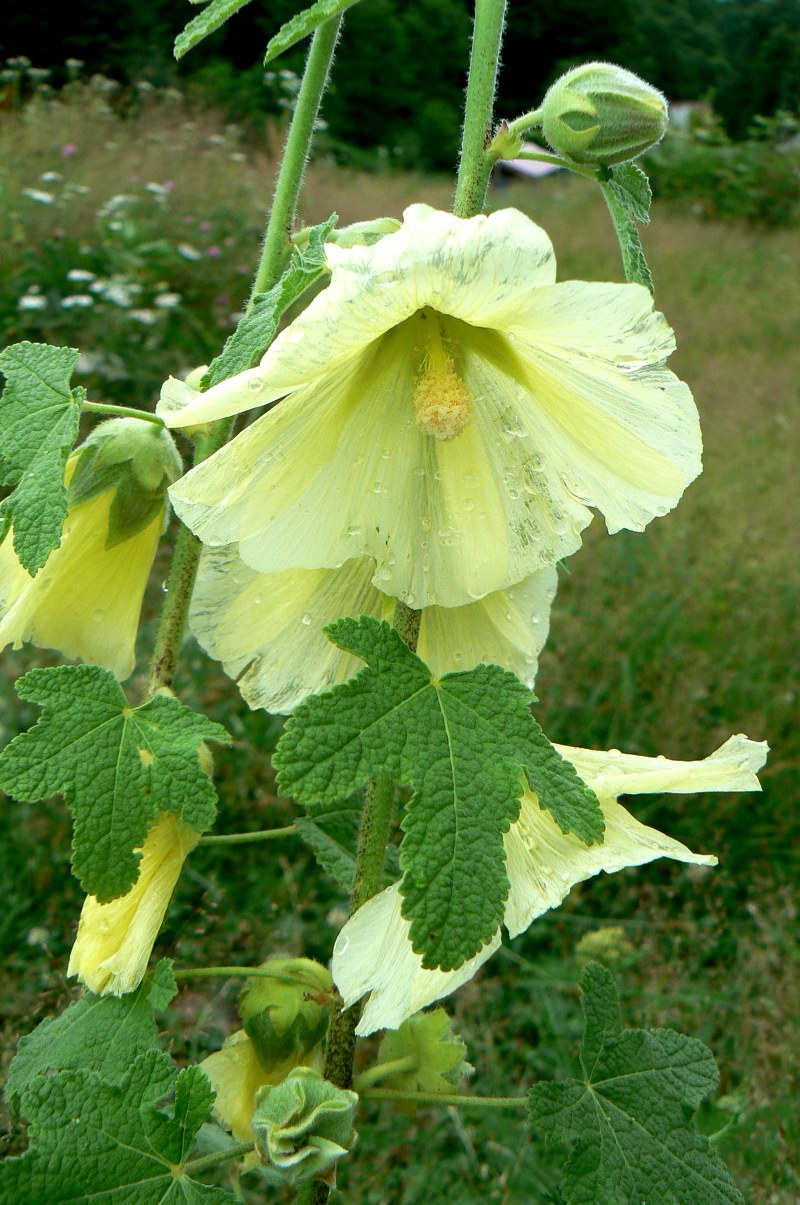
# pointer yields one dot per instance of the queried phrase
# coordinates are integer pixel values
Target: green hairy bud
(138, 461)
(285, 1014)
(601, 114)
(303, 1126)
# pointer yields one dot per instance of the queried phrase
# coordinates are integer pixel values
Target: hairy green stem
(374, 1075)
(263, 834)
(277, 247)
(431, 1098)
(526, 122)
(368, 881)
(237, 972)
(232, 1152)
(122, 412)
(475, 165)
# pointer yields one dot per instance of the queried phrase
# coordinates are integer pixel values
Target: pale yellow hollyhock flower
(373, 952)
(453, 414)
(114, 940)
(266, 628)
(236, 1076)
(86, 600)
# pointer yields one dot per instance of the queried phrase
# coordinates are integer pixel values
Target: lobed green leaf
(117, 767)
(210, 19)
(630, 1122)
(95, 1033)
(303, 24)
(463, 743)
(94, 1141)
(256, 330)
(39, 417)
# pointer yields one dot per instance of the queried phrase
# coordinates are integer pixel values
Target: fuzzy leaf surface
(463, 743)
(39, 417)
(630, 1121)
(95, 1033)
(117, 767)
(303, 24)
(628, 196)
(256, 330)
(213, 16)
(96, 1143)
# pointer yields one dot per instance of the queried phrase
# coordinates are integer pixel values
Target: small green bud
(303, 1126)
(285, 1015)
(601, 114)
(364, 234)
(609, 946)
(135, 459)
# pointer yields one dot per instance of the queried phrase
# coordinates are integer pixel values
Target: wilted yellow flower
(453, 415)
(236, 1076)
(85, 601)
(266, 628)
(114, 940)
(373, 952)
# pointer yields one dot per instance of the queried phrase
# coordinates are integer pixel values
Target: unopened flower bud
(303, 1126)
(601, 114)
(284, 1013)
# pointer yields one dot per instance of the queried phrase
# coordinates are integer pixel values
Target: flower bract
(452, 413)
(267, 628)
(86, 601)
(114, 940)
(373, 953)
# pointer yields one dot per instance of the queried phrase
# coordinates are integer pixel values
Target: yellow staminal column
(441, 399)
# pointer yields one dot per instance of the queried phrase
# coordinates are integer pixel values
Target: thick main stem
(275, 251)
(475, 165)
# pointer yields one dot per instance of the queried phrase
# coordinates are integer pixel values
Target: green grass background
(661, 642)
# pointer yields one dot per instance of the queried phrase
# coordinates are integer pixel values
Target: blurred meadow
(135, 240)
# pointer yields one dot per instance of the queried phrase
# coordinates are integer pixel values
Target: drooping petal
(610, 773)
(86, 600)
(236, 1076)
(373, 954)
(479, 270)
(114, 940)
(267, 628)
(544, 864)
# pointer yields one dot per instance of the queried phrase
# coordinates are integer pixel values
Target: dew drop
(98, 615)
(468, 504)
(513, 495)
(255, 384)
(307, 618)
(425, 523)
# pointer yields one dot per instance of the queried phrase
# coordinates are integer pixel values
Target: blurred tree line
(401, 65)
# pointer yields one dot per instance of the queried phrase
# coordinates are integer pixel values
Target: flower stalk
(475, 165)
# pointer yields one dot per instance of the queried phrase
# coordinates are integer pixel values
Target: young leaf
(627, 193)
(95, 1033)
(39, 416)
(116, 766)
(90, 1140)
(256, 330)
(303, 24)
(630, 1119)
(211, 18)
(462, 742)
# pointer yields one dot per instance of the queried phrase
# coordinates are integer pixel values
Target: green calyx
(285, 1013)
(304, 1126)
(135, 460)
(600, 114)
(423, 1055)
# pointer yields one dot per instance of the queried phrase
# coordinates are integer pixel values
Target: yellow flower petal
(266, 628)
(86, 601)
(236, 1076)
(373, 952)
(115, 940)
(453, 414)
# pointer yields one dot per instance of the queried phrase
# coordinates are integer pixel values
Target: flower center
(441, 399)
